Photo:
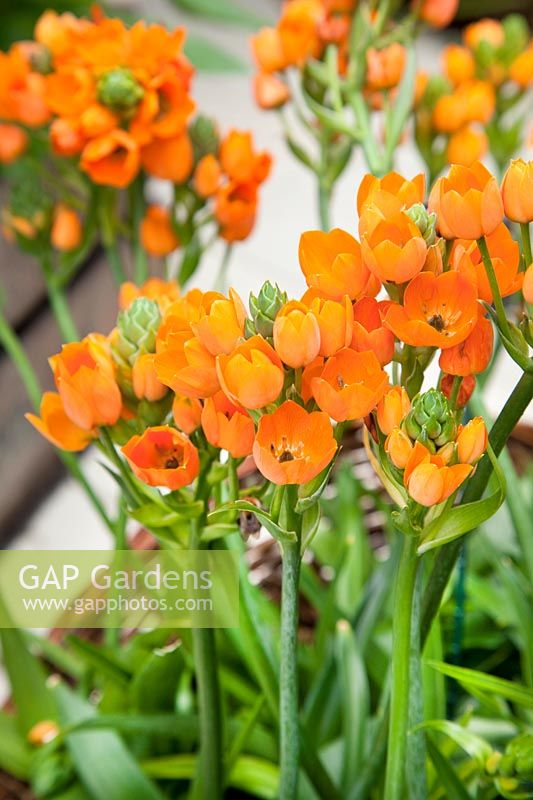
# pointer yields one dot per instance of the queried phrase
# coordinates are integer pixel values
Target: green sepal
(275, 530)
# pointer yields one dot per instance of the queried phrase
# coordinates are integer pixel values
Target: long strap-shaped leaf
(101, 759)
(464, 518)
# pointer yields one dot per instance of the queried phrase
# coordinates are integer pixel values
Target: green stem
(233, 479)
(401, 643)
(288, 709)
(140, 263)
(526, 243)
(456, 388)
(209, 776)
(495, 289)
(221, 279)
(324, 198)
(106, 216)
(59, 304)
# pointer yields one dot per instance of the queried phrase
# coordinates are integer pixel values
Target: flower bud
(204, 136)
(527, 286)
(392, 408)
(398, 447)
(517, 191)
(426, 485)
(468, 384)
(431, 420)
(43, 732)
(145, 383)
(472, 441)
(264, 309)
(187, 413)
(119, 89)
(425, 221)
(137, 328)
(517, 760)
(66, 232)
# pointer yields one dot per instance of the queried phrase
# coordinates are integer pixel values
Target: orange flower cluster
(431, 454)
(22, 99)
(119, 96)
(489, 71)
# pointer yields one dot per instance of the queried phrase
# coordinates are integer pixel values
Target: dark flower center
(437, 322)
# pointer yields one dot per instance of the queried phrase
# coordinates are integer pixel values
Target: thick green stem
(324, 198)
(59, 304)
(526, 243)
(494, 287)
(289, 734)
(401, 643)
(222, 277)
(456, 388)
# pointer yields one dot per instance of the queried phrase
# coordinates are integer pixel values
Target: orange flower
(252, 375)
(239, 161)
(437, 311)
(332, 264)
(468, 384)
(438, 13)
(313, 370)
(55, 426)
(395, 251)
(335, 321)
(228, 427)
(270, 91)
(398, 447)
(466, 146)
(398, 191)
(449, 113)
(144, 377)
(267, 49)
(472, 441)
(384, 68)
(296, 335)
(169, 159)
(298, 30)
(527, 286)
(207, 176)
(517, 191)
(13, 142)
(163, 292)
(112, 160)
(392, 408)
(467, 202)
(221, 322)
(187, 367)
(66, 137)
(350, 385)
(162, 456)
(21, 89)
(486, 30)
(187, 413)
(458, 63)
(479, 101)
(66, 233)
(70, 91)
(293, 446)
(235, 210)
(505, 256)
(428, 480)
(157, 234)
(85, 379)
(521, 70)
(473, 355)
(369, 332)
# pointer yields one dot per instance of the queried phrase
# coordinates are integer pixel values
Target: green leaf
(309, 493)
(208, 57)
(475, 746)
(243, 505)
(155, 684)
(217, 531)
(100, 659)
(152, 515)
(223, 11)
(451, 783)
(103, 763)
(170, 725)
(457, 521)
(356, 702)
(310, 523)
(27, 679)
(15, 755)
(256, 776)
(520, 695)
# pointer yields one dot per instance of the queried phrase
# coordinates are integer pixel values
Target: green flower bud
(425, 221)
(119, 90)
(517, 760)
(431, 419)
(41, 60)
(137, 328)
(204, 136)
(264, 308)
(526, 329)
